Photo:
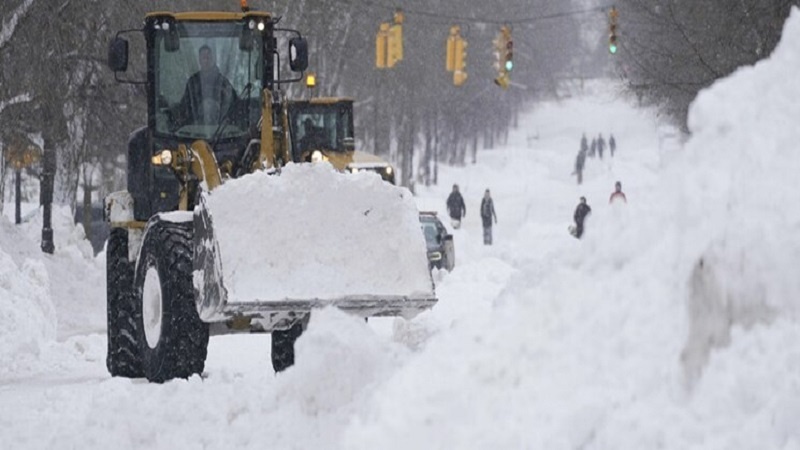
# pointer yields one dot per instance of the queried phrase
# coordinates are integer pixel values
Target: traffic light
(504, 57)
(460, 61)
(460, 51)
(450, 57)
(394, 52)
(381, 42)
(509, 64)
(389, 43)
(612, 30)
(456, 56)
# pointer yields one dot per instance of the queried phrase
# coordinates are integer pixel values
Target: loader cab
(322, 129)
(206, 73)
(207, 78)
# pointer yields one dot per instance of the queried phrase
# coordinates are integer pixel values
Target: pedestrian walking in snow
(601, 145)
(612, 145)
(584, 144)
(456, 207)
(593, 148)
(580, 160)
(617, 195)
(487, 214)
(581, 211)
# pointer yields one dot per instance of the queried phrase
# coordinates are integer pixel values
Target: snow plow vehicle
(216, 232)
(322, 130)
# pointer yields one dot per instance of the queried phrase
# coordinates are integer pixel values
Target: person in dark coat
(208, 94)
(456, 207)
(581, 212)
(601, 146)
(612, 145)
(584, 144)
(487, 214)
(580, 160)
(593, 147)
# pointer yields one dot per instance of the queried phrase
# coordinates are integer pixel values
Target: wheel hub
(152, 307)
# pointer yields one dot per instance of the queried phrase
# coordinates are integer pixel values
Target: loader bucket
(307, 238)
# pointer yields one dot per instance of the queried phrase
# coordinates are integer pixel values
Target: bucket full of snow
(310, 237)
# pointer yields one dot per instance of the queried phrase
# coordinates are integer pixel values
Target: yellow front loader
(204, 240)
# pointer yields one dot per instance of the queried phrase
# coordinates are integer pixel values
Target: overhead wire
(475, 20)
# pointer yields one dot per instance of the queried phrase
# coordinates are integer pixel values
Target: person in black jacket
(487, 214)
(208, 94)
(456, 207)
(581, 212)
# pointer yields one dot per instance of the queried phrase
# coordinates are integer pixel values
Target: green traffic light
(612, 48)
(510, 65)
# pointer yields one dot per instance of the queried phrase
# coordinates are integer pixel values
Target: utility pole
(47, 182)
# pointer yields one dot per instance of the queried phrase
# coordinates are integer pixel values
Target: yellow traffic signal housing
(450, 48)
(460, 51)
(459, 77)
(395, 45)
(502, 80)
(381, 43)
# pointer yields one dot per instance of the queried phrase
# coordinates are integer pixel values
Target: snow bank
(315, 233)
(27, 315)
(740, 191)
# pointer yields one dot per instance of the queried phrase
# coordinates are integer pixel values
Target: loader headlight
(163, 158)
(435, 256)
(353, 170)
(316, 156)
(388, 170)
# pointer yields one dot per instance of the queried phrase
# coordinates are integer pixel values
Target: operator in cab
(208, 95)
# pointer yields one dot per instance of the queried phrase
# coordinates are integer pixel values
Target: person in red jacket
(617, 195)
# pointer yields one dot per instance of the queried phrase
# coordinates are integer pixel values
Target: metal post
(46, 197)
(18, 195)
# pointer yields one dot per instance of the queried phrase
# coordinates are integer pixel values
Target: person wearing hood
(456, 207)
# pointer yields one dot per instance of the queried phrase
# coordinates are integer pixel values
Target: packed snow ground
(672, 324)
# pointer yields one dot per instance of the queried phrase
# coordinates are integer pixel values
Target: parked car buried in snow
(441, 252)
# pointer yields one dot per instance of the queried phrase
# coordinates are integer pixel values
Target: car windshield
(206, 84)
(431, 232)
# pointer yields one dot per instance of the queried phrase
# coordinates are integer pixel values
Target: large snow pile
(315, 233)
(27, 315)
(740, 191)
(44, 297)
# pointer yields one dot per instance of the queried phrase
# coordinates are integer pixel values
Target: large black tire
(124, 358)
(178, 347)
(283, 346)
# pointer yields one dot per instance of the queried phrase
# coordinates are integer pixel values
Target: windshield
(319, 127)
(431, 231)
(208, 85)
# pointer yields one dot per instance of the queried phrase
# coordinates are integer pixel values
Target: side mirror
(246, 39)
(349, 144)
(118, 54)
(448, 237)
(298, 54)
